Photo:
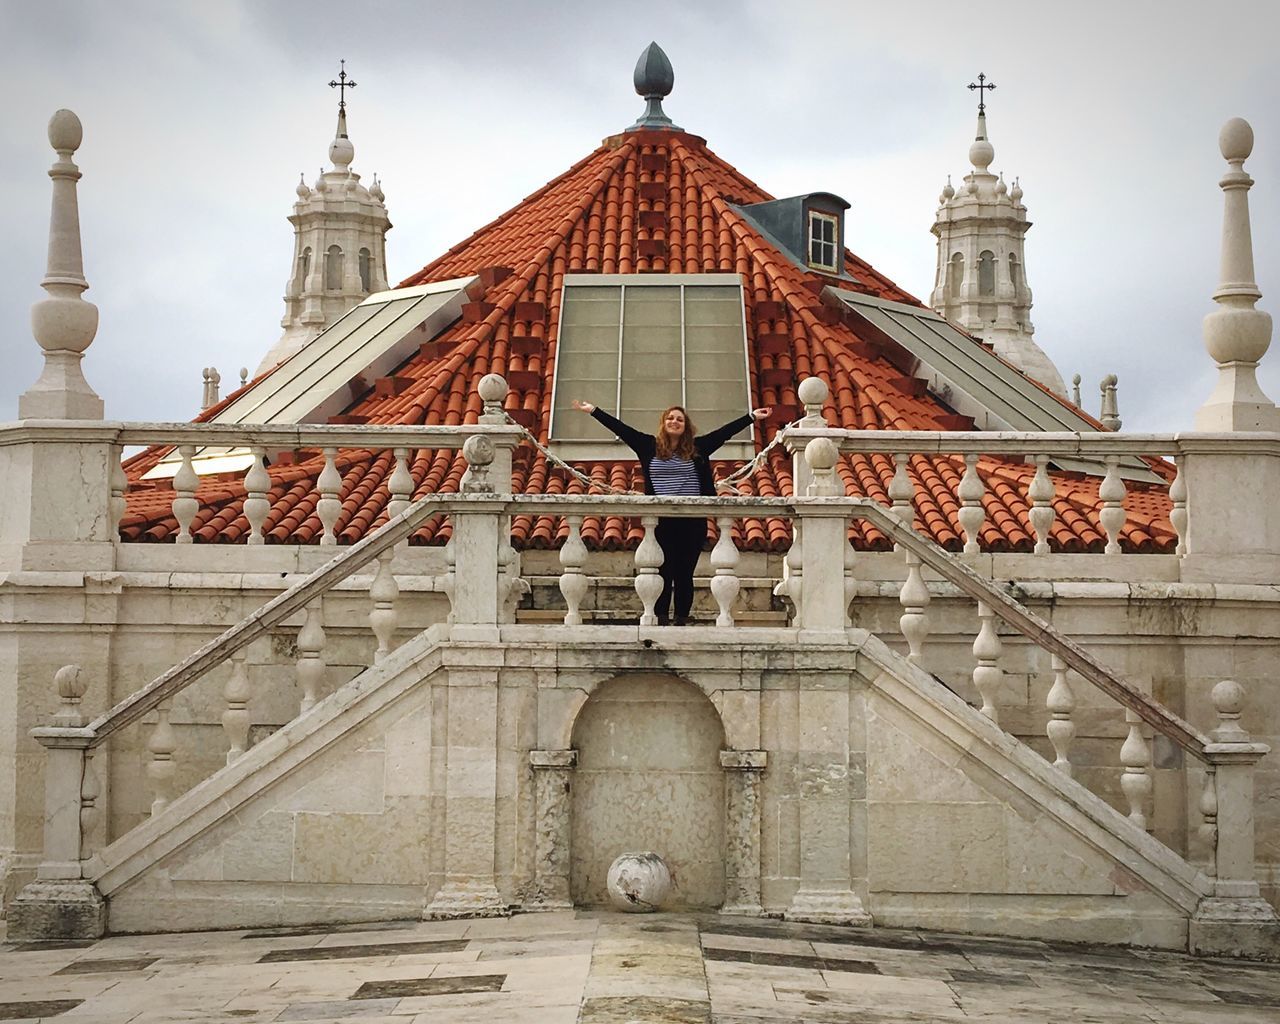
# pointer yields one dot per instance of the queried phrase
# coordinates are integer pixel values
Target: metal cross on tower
(981, 84)
(342, 85)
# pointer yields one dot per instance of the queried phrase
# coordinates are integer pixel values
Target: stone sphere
(821, 453)
(812, 391)
(1228, 697)
(493, 387)
(478, 450)
(65, 131)
(342, 152)
(70, 682)
(981, 153)
(1236, 139)
(638, 883)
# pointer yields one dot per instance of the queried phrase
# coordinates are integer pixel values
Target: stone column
(471, 787)
(477, 548)
(1235, 920)
(552, 772)
(825, 531)
(743, 769)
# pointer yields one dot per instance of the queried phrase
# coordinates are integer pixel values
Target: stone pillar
(743, 769)
(1235, 920)
(825, 531)
(552, 772)
(478, 595)
(826, 812)
(471, 787)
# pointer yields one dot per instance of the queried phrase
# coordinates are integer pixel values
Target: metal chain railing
(727, 484)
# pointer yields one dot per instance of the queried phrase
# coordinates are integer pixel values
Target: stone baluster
(792, 582)
(972, 515)
(119, 483)
(573, 581)
(448, 581)
(311, 663)
(329, 505)
(161, 768)
(648, 562)
(902, 492)
(850, 576)
(1041, 493)
(552, 799)
(1135, 755)
(383, 618)
(90, 813)
(400, 485)
(743, 769)
(1209, 823)
(1060, 703)
(1112, 516)
(724, 560)
(257, 482)
(236, 692)
(1178, 495)
(185, 505)
(914, 599)
(987, 674)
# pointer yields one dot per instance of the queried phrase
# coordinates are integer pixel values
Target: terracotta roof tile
(643, 202)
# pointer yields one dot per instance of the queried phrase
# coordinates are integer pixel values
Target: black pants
(681, 541)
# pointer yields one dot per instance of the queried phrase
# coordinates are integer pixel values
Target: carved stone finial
(1075, 389)
(812, 393)
(479, 451)
(64, 324)
(493, 392)
(654, 78)
(1109, 412)
(1237, 335)
(71, 686)
(1228, 701)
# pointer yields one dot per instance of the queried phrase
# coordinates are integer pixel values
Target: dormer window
(824, 240)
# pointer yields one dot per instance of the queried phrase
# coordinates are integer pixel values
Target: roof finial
(981, 85)
(654, 78)
(981, 153)
(341, 151)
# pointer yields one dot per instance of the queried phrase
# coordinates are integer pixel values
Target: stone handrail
(1032, 626)
(279, 608)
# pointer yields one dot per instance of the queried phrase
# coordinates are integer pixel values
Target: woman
(675, 461)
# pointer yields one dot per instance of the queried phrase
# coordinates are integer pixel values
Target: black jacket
(646, 446)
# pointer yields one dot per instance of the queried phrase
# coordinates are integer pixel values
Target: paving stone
(40, 947)
(398, 988)
(367, 950)
(651, 1010)
(336, 1010)
(108, 966)
(37, 1009)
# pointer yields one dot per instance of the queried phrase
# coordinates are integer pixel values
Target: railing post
(1135, 781)
(184, 505)
(1235, 920)
(1041, 494)
(477, 596)
(328, 505)
(61, 903)
(987, 674)
(724, 560)
(822, 604)
(573, 581)
(972, 515)
(1060, 703)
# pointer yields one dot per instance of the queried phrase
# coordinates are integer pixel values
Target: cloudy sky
(198, 118)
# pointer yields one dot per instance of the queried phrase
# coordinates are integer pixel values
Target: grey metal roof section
(968, 377)
(368, 341)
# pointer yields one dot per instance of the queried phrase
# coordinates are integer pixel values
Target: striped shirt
(674, 476)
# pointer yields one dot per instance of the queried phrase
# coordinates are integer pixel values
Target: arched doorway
(649, 778)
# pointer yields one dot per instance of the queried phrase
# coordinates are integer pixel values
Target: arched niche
(649, 777)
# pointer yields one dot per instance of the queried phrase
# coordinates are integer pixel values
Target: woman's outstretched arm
(640, 443)
(710, 442)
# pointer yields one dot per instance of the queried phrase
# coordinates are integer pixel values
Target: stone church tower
(981, 281)
(339, 251)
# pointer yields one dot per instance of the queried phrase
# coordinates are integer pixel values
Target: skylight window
(824, 233)
(636, 344)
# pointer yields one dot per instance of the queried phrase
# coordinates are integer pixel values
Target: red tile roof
(644, 202)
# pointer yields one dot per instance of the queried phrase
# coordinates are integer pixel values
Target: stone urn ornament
(639, 883)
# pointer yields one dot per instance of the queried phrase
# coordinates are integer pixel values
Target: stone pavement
(590, 967)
